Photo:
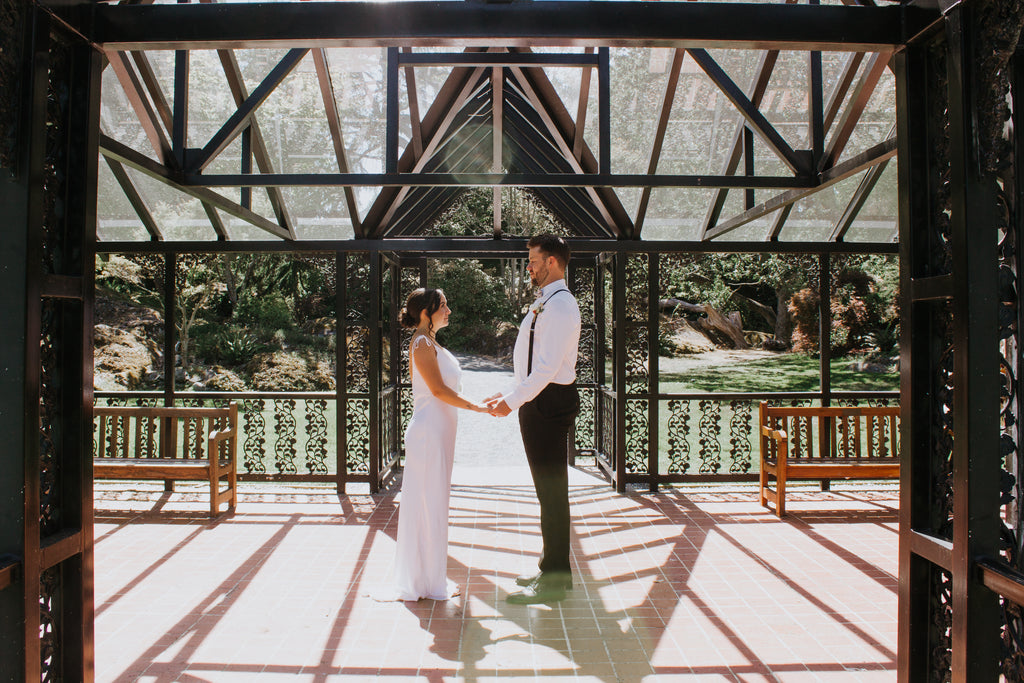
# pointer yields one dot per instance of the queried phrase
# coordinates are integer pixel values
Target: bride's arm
(425, 358)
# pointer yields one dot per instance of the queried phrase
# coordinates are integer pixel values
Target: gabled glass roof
(679, 122)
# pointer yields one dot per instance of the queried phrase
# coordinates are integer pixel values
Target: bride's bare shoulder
(421, 341)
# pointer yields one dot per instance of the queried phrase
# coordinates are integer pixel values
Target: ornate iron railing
(285, 435)
(699, 436)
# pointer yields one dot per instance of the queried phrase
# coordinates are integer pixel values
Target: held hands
(496, 405)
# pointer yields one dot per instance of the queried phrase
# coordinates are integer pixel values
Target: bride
(421, 554)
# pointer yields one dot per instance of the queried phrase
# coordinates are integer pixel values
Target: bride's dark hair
(419, 301)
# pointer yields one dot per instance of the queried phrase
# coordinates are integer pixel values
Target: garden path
(482, 440)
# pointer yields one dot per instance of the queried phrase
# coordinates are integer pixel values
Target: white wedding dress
(421, 554)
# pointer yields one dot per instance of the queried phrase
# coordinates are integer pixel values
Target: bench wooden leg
(169, 485)
(764, 484)
(780, 488)
(214, 486)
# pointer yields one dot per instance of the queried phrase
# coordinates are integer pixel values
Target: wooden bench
(143, 443)
(826, 443)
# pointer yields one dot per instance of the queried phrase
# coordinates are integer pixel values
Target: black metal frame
(958, 584)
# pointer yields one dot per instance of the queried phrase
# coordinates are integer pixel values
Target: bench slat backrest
(153, 432)
(867, 433)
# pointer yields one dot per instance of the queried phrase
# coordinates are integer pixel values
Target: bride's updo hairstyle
(419, 301)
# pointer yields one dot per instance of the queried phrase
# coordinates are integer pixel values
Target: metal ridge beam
(540, 179)
(558, 23)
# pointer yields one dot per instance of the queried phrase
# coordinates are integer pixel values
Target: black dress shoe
(536, 593)
(555, 579)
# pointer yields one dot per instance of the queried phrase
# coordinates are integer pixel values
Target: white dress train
(421, 554)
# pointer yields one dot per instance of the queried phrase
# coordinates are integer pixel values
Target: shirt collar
(552, 287)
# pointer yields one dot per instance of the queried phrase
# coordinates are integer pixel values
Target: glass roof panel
(876, 221)
(701, 128)
(676, 214)
(878, 119)
(179, 216)
(118, 119)
(255, 64)
(637, 93)
(359, 89)
(786, 102)
(814, 218)
(210, 103)
(754, 231)
(567, 82)
(117, 219)
(318, 213)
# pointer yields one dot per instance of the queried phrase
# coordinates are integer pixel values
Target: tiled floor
(692, 584)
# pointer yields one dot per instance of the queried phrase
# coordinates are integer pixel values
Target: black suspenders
(529, 362)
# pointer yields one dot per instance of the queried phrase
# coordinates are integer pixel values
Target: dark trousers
(545, 423)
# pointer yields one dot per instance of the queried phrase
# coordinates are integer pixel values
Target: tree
(197, 280)
(758, 285)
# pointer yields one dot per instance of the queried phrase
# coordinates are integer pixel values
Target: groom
(544, 360)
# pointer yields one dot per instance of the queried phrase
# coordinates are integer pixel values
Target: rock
(870, 366)
(774, 344)
(126, 352)
(685, 339)
(291, 371)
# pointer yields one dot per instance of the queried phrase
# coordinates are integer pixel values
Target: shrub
(271, 311)
(476, 299)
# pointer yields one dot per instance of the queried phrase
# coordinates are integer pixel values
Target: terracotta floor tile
(689, 584)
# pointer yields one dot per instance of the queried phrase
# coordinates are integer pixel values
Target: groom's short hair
(552, 245)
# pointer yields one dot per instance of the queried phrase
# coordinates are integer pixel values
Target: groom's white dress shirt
(555, 345)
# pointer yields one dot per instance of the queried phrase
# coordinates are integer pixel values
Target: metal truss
(498, 120)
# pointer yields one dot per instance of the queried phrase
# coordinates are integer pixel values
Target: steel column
(976, 372)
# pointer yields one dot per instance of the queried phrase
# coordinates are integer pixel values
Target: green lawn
(782, 372)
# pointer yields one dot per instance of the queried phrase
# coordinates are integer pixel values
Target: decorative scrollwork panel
(285, 433)
(710, 427)
(49, 418)
(357, 286)
(583, 289)
(585, 421)
(740, 436)
(606, 407)
(638, 378)
(637, 425)
(678, 432)
(50, 624)
(255, 435)
(357, 431)
(357, 359)
(316, 436)
(636, 287)
(587, 358)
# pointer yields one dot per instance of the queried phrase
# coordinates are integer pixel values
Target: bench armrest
(220, 435)
(776, 434)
